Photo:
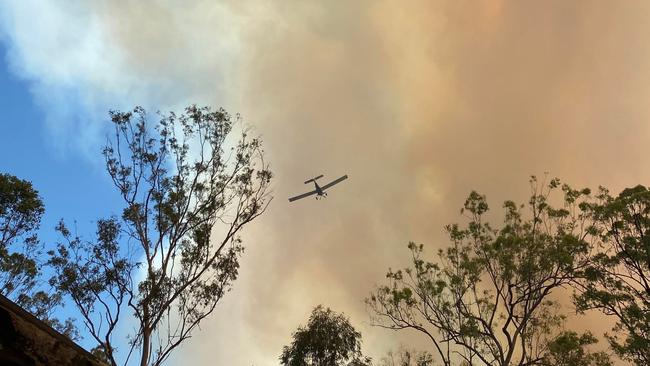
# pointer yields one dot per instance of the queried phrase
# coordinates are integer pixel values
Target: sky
(419, 102)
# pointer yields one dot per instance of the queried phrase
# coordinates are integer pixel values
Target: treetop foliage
(617, 281)
(188, 188)
(487, 299)
(328, 340)
(21, 209)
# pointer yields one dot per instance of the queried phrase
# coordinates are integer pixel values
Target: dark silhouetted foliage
(20, 216)
(570, 349)
(328, 340)
(407, 357)
(618, 281)
(487, 299)
(21, 210)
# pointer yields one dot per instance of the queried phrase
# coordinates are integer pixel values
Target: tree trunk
(146, 334)
(146, 341)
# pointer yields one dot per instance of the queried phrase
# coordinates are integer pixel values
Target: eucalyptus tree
(21, 278)
(571, 349)
(190, 184)
(328, 340)
(21, 210)
(618, 282)
(488, 298)
(407, 357)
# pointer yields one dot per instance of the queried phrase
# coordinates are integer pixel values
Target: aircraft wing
(302, 196)
(334, 182)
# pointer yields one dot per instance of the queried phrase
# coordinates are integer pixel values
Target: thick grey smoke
(418, 102)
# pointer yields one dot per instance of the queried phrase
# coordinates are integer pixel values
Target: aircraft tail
(314, 179)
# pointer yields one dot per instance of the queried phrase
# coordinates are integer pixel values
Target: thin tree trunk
(146, 336)
(146, 340)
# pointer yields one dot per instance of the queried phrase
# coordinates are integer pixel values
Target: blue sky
(72, 186)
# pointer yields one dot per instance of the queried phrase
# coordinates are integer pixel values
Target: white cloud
(83, 58)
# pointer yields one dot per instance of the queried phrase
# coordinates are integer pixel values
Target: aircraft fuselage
(318, 189)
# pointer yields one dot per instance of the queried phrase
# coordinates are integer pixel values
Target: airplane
(318, 190)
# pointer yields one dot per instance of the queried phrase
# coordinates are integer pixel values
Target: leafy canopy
(328, 340)
(21, 210)
(487, 299)
(407, 357)
(21, 277)
(570, 349)
(189, 188)
(617, 282)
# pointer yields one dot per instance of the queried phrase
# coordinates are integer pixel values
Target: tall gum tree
(487, 300)
(21, 275)
(182, 181)
(21, 210)
(618, 281)
(328, 339)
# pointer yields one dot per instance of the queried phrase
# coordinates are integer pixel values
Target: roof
(26, 340)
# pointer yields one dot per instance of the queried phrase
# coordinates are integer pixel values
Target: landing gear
(321, 196)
